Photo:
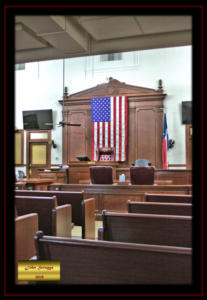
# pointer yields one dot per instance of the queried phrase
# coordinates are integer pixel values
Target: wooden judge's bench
(78, 172)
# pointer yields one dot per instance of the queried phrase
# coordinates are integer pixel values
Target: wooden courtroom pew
(160, 208)
(102, 262)
(169, 198)
(26, 227)
(53, 219)
(147, 229)
(63, 197)
(83, 212)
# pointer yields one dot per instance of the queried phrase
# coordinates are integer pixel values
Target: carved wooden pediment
(112, 88)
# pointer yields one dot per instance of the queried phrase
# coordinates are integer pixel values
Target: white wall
(40, 86)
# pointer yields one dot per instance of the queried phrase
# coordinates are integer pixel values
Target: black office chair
(21, 174)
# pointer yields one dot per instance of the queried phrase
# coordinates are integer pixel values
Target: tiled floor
(76, 231)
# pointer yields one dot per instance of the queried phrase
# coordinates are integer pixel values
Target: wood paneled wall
(115, 197)
(145, 122)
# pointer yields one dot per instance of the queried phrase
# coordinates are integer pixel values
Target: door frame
(36, 141)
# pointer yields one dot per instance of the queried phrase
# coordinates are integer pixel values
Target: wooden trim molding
(177, 165)
(38, 141)
(21, 132)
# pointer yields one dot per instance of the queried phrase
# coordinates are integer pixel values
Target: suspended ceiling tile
(24, 40)
(105, 27)
(158, 24)
(40, 24)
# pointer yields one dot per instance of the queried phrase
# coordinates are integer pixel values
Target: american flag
(109, 125)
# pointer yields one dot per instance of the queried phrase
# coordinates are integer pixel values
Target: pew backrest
(147, 229)
(160, 208)
(102, 262)
(63, 197)
(168, 198)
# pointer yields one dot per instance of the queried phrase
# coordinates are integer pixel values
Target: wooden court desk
(33, 184)
(60, 175)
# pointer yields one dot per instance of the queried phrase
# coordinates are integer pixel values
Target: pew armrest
(88, 213)
(62, 220)
(100, 233)
(26, 227)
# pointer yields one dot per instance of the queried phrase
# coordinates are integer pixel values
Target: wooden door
(38, 152)
(77, 140)
(148, 136)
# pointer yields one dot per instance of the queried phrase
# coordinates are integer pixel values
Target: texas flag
(165, 143)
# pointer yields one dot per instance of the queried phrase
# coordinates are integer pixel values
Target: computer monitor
(83, 158)
(38, 119)
(187, 112)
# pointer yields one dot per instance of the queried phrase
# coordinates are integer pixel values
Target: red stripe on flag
(92, 140)
(120, 127)
(126, 113)
(114, 126)
(98, 134)
(103, 134)
(109, 134)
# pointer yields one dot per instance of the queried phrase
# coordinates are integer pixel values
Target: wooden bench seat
(160, 208)
(102, 262)
(147, 229)
(53, 219)
(168, 198)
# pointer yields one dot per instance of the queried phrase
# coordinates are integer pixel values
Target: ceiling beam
(143, 42)
(73, 30)
(163, 40)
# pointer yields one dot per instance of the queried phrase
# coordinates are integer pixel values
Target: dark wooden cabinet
(145, 122)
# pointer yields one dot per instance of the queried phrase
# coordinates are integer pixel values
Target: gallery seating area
(133, 219)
